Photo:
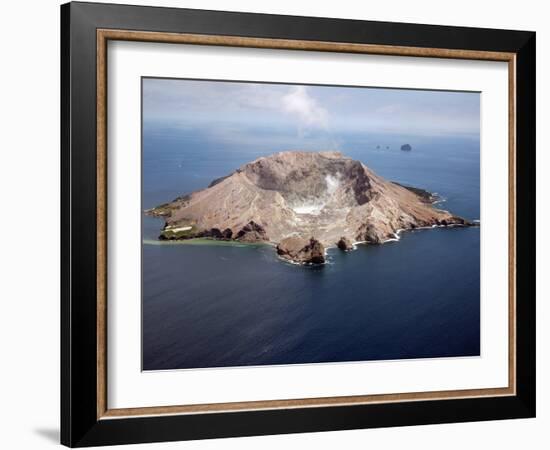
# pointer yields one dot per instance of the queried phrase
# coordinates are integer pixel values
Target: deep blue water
(213, 306)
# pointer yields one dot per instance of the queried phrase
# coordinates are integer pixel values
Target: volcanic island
(302, 203)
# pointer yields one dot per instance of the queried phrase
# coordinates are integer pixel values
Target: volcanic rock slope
(320, 195)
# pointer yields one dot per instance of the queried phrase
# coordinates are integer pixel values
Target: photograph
(281, 221)
(307, 224)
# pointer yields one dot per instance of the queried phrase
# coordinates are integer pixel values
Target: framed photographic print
(276, 224)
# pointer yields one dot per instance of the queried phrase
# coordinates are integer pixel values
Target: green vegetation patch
(204, 241)
(162, 210)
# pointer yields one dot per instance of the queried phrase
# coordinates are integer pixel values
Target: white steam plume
(305, 108)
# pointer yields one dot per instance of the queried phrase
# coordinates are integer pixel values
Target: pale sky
(188, 104)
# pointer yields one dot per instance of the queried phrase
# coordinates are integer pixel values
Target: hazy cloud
(305, 108)
(309, 110)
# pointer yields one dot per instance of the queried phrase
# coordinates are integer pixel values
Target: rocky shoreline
(304, 251)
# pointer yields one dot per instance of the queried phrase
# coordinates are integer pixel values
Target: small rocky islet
(302, 203)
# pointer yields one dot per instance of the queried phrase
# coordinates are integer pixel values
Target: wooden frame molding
(103, 36)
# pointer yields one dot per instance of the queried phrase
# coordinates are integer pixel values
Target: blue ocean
(221, 305)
